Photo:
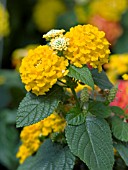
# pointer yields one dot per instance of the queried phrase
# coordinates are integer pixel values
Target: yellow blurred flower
(4, 21)
(110, 9)
(30, 135)
(125, 76)
(41, 68)
(87, 45)
(46, 12)
(81, 14)
(117, 66)
(2, 80)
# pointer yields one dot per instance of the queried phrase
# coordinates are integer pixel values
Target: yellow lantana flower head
(41, 68)
(87, 45)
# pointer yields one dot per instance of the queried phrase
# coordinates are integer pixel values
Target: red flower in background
(112, 29)
(121, 98)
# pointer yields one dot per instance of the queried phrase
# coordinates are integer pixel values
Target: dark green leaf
(75, 116)
(83, 74)
(99, 109)
(101, 79)
(5, 96)
(117, 110)
(8, 140)
(35, 108)
(92, 143)
(120, 129)
(122, 148)
(50, 156)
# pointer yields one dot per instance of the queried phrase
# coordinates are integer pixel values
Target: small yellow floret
(53, 33)
(41, 68)
(87, 45)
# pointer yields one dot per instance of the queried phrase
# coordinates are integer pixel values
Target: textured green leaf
(75, 116)
(35, 108)
(117, 110)
(83, 74)
(101, 79)
(99, 109)
(50, 156)
(92, 143)
(120, 129)
(122, 148)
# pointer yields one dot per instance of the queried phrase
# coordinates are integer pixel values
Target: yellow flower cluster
(45, 13)
(41, 68)
(4, 21)
(31, 135)
(110, 9)
(125, 76)
(87, 45)
(117, 66)
(81, 14)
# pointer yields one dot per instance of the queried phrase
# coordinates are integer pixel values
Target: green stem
(75, 96)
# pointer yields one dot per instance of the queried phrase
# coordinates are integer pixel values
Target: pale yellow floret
(60, 43)
(53, 33)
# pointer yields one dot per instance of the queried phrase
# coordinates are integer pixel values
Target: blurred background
(22, 25)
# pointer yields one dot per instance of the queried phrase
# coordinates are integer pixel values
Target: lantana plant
(68, 121)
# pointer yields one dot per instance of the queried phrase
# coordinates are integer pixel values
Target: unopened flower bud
(112, 94)
(84, 96)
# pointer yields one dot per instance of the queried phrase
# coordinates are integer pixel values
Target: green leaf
(83, 74)
(117, 110)
(92, 143)
(8, 140)
(99, 109)
(101, 79)
(50, 156)
(34, 108)
(122, 148)
(120, 129)
(5, 96)
(75, 116)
